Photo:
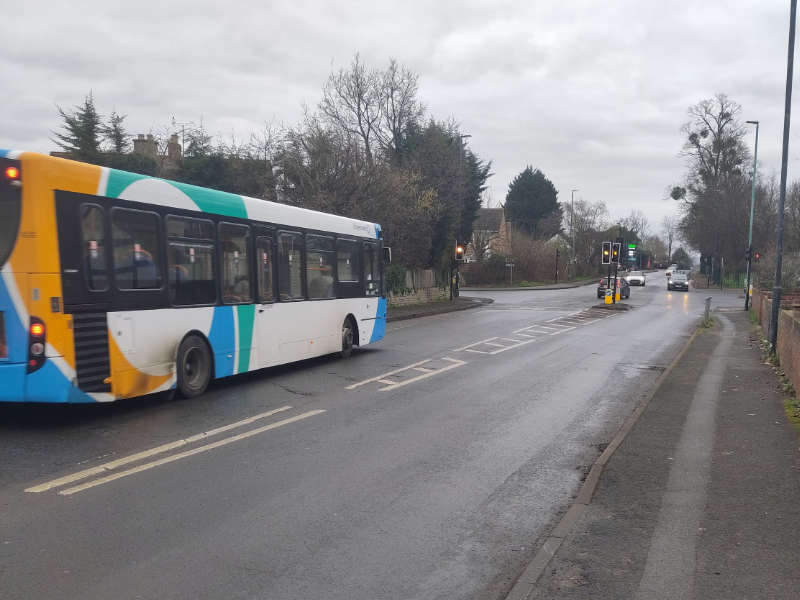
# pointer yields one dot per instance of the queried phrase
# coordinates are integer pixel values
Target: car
(624, 288)
(636, 278)
(678, 281)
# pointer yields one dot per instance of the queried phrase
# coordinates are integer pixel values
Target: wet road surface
(426, 466)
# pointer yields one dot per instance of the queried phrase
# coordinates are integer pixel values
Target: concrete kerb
(526, 583)
(539, 288)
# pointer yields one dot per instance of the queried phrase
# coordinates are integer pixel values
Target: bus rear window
(10, 209)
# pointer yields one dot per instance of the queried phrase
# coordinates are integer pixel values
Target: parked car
(636, 278)
(678, 281)
(624, 288)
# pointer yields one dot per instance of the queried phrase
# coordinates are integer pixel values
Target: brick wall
(788, 329)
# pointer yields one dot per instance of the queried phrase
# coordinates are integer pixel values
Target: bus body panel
(242, 337)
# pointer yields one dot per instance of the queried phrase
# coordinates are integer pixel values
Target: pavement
(701, 499)
(427, 466)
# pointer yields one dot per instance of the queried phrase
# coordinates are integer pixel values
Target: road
(427, 466)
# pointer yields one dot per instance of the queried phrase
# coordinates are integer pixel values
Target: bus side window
(372, 273)
(290, 266)
(94, 247)
(234, 241)
(347, 261)
(265, 269)
(136, 258)
(320, 256)
(190, 261)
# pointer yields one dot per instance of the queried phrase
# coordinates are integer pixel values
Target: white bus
(124, 285)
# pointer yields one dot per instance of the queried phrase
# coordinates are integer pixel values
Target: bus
(116, 285)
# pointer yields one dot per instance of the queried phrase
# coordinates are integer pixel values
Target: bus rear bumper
(47, 385)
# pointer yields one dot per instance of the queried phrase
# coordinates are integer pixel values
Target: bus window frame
(201, 241)
(334, 269)
(267, 233)
(105, 225)
(250, 263)
(303, 290)
(160, 238)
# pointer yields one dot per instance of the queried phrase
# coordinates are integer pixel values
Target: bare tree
(399, 105)
(351, 101)
(637, 223)
(669, 225)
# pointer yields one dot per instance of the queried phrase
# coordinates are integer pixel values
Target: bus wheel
(348, 335)
(193, 366)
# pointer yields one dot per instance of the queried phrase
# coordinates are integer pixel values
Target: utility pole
(750, 234)
(776, 290)
(183, 134)
(572, 231)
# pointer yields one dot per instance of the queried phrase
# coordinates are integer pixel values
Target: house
(491, 235)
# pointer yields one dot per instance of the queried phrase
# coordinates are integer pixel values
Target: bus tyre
(193, 366)
(348, 335)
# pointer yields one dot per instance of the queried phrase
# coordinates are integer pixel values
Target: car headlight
(670, 281)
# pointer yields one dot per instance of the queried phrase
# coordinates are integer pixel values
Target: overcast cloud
(592, 93)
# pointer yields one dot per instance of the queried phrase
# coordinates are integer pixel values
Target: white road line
(476, 351)
(110, 466)
(475, 344)
(423, 369)
(188, 453)
(511, 347)
(561, 331)
(384, 375)
(455, 364)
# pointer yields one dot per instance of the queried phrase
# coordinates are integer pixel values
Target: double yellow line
(112, 466)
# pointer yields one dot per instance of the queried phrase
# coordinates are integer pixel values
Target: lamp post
(750, 233)
(572, 230)
(787, 115)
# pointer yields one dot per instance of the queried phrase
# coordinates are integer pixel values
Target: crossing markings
(112, 466)
(430, 367)
(411, 373)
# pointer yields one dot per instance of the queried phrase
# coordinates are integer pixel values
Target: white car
(636, 278)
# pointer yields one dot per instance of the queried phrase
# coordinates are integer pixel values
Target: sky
(592, 93)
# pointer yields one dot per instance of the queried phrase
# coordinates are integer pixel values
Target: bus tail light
(36, 344)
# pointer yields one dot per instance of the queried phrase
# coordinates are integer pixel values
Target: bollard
(708, 308)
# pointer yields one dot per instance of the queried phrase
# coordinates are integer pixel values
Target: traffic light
(459, 251)
(615, 252)
(756, 256)
(748, 254)
(606, 257)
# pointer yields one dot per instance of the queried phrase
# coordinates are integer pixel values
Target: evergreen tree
(114, 133)
(82, 131)
(532, 204)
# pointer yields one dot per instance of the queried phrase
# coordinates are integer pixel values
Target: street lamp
(750, 233)
(787, 114)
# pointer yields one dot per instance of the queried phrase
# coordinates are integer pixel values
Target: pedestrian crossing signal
(606, 256)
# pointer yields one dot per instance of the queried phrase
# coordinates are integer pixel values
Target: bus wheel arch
(194, 364)
(349, 335)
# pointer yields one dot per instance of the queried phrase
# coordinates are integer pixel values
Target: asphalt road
(426, 466)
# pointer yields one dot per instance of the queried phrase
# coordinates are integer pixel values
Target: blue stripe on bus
(379, 327)
(222, 338)
(4, 152)
(16, 329)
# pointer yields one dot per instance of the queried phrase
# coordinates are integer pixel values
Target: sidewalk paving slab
(746, 542)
